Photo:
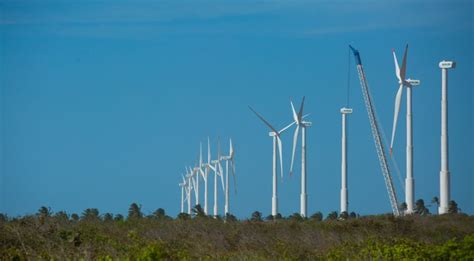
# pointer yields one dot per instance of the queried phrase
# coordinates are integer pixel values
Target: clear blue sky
(103, 103)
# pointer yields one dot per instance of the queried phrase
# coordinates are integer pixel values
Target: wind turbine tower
(408, 83)
(444, 173)
(298, 118)
(276, 143)
(344, 191)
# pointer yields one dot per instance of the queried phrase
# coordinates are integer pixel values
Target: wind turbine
(189, 184)
(276, 143)
(344, 192)
(182, 185)
(204, 173)
(298, 119)
(228, 158)
(216, 166)
(444, 174)
(408, 83)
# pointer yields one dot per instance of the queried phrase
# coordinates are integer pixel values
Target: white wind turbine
(229, 158)
(205, 172)
(276, 143)
(216, 166)
(189, 183)
(408, 83)
(298, 118)
(182, 185)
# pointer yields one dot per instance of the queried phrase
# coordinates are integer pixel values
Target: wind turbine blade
(208, 151)
(295, 141)
(200, 154)
(280, 153)
(231, 150)
(300, 113)
(397, 69)
(233, 175)
(295, 116)
(202, 173)
(264, 121)
(398, 99)
(222, 176)
(287, 126)
(404, 64)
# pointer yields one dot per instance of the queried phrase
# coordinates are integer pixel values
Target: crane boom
(376, 134)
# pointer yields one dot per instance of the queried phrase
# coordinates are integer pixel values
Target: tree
(90, 214)
(453, 207)
(344, 215)
(332, 216)
(3, 217)
(353, 215)
(296, 217)
(230, 218)
(159, 213)
(256, 216)
(183, 216)
(44, 212)
(118, 217)
(198, 211)
(420, 208)
(62, 215)
(108, 217)
(403, 206)
(134, 211)
(74, 217)
(318, 216)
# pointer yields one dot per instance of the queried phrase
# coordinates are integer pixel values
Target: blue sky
(103, 103)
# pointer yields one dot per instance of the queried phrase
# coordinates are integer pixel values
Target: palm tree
(44, 211)
(332, 216)
(453, 207)
(198, 211)
(344, 215)
(134, 211)
(420, 208)
(90, 214)
(256, 216)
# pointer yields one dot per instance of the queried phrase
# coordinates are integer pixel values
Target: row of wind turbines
(190, 181)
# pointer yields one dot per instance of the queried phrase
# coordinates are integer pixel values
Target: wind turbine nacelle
(346, 110)
(413, 82)
(307, 123)
(447, 64)
(272, 134)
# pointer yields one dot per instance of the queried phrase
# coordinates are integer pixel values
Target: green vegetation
(95, 236)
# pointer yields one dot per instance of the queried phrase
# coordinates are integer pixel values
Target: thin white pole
(205, 191)
(343, 166)
(215, 193)
(409, 181)
(303, 200)
(226, 207)
(274, 195)
(189, 195)
(182, 199)
(197, 189)
(444, 173)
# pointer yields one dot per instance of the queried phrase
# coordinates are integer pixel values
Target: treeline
(157, 236)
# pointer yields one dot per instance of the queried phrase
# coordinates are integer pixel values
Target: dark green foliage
(256, 217)
(332, 216)
(453, 207)
(403, 206)
(198, 211)
(184, 216)
(344, 215)
(296, 217)
(382, 237)
(420, 208)
(118, 217)
(318, 216)
(353, 215)
(90, 214)
(75, 217)
(44, 212)
(134, 211)
(230, 218)
(108, 217)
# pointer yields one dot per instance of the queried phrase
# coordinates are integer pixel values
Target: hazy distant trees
(420, 208)
(344, 215)
(44, 212)
(332, 216)
(453, 207)
(90, 214)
